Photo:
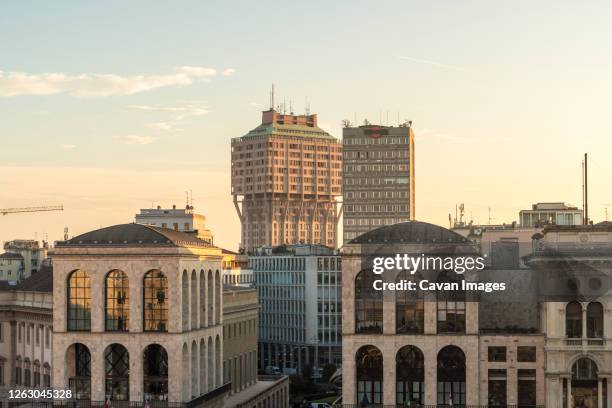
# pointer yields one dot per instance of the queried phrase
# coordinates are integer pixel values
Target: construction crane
(5, 211)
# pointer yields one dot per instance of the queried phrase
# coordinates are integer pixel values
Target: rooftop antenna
(489, 215)
(272, 97)
(586, 190)
(291, 106)
(65, 233)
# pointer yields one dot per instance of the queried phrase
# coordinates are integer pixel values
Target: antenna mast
(586, 190)
(272, 97)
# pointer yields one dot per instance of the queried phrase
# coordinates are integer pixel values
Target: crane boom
(5, 211)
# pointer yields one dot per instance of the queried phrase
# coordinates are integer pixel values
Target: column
(12, 351)
(584, 321)
(431, 317)
(569, 392)
(389, 377)
(599, 392)
(136, 373)
(431, 377)
(98, 384)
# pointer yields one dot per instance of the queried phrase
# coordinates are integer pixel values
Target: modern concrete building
(542, 214)
(240, 325)
(299, 288)
(286, 176)
(26, 329)
(178, 219)
(378, 182)
(138, 315)
(417, 347)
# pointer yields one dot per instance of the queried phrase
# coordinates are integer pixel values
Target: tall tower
(286, 176)
(378, 182)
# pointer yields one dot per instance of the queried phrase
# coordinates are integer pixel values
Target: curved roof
(411, 232)
(134, 234)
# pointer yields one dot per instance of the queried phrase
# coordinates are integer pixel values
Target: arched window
(451, 376)
(218, 294)
(211, 297)
(410, 376)
(194, 301)
(185, 384)
(368, 304)
(573, 320)
(194, 370)
(218, 363)
(202, 298)
(117, 302)
(584, 369)
(211, 364)
(409, 307)
(46, 375)
(595, 320)
(155, 373)
(36, 373)
(78, 362)
(18, 379)
(185, 296)
(451, 306)
(78, 291)
(27, 377)
(369, 367)
(155, 307)
(117, 369)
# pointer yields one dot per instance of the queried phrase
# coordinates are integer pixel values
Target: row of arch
(410, 376)
(409, 306)
(575, 315)
(201, 301)
(29, 373)
(200, 360)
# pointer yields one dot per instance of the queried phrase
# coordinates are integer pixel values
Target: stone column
(431, 317)
(584, 322)
(348, 375)
(136, 373)
(175, 371)
(609, 392)
(98, 384)
(388, 377)
(600, 392)
(568, 396)
(431, 385)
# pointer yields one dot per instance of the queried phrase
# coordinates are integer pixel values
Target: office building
(299, 290)
(378, 177)
(178, 219)
(542, 214)
(138, 315)
(286, 176)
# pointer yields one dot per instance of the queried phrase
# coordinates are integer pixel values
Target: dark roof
(9, 255)
(134, 234)
(41, 281)
(412, 232)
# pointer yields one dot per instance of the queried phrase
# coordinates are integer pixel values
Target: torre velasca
(286, 176)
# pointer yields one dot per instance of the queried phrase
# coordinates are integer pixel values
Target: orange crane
(5, 211)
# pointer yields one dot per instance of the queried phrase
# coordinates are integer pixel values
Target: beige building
(25, 333)
(379, 179)
(240, 315)
(178, 219)
(286, 176)
(433, 348)
(11, 267)
(26, 253)
(138, 316)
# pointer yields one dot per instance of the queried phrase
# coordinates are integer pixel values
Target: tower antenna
(272, 97)
(586, 190)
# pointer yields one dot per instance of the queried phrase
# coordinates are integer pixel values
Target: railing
(585, 342)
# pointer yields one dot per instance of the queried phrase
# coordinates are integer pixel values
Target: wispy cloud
(97, 85)
(431, 133)
(135, 139)
(68, 146)
(162, 126)
(180, 112)
(433, 63)
(228, 72)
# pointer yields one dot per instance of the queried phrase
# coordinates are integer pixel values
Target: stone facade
(192, 334)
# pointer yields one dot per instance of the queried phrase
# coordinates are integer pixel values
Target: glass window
(117, 369)
(368, 304)
(497, 353)
(526, 354)
(497, 388)
(79, 301)
(117, 302)
(155, 306)
(573, 320)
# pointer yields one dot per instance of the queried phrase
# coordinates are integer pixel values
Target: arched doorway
(155, 373)
(78, 363)
(451, 376)
(410, 376)
(584, 383)
(369, 367)
(117, 369)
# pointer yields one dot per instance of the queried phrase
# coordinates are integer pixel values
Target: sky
(109, 107)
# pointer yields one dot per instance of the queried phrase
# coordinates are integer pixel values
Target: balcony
(596, 343)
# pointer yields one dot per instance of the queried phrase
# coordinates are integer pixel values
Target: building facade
(138, 316)
(26, 329)
(378, 182)
(240, 317)
(542, 214)
(286, 176)
(178, 219)
(299, 290)
(11, 267)
(404, 347)
(236, 269)
(33, 256)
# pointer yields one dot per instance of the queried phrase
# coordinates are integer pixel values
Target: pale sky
(109, 107)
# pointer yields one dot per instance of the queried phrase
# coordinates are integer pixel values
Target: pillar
(600, 392)
(389, 377)
(136, 373)
(569, 392)
(431, 378)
